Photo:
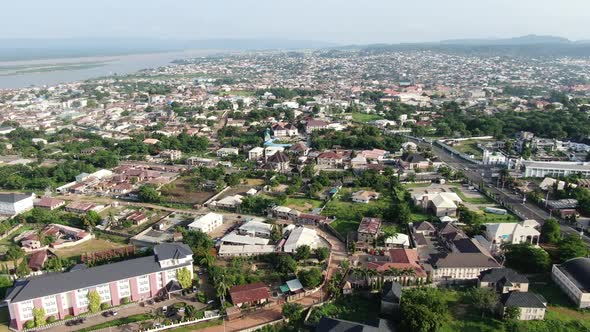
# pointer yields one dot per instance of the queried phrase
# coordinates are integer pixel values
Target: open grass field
(87, 247)
(183, 193)
(198, 326)
(497, 218)
(349, 214)
(472, 197)
(364, 117)
(469, 147)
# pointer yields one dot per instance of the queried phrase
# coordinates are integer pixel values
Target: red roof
(369, 225)
(48, 202)
(249, 293)
(400, 259)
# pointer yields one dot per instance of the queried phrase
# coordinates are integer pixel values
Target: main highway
(481, 176)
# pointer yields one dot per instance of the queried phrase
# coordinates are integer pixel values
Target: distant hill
(29, 49)
(523, 40)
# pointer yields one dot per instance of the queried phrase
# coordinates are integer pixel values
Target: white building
(256, 153)
(302, 236)
(514, 233)
(245, 250)
(541, 169)
(255, 228)
(12, 204)
(494, 158)
(206, 223)
(226, 152)
(572, 278)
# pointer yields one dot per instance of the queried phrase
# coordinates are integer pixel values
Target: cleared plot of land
(182, 191)
(90, 246)
(470, 196)
(497, 218)
(349, 214)
(302, 204)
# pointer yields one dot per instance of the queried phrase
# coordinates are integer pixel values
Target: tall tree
(550, 232)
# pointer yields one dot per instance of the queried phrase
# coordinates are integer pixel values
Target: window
(171, 275)
(26, 310)
(159, 280)
(124, 288)
(49, 304)
(105, 292)
(82, 297)
(65, 301)
(143, 283)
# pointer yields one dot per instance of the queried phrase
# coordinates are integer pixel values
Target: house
(229, 202)
(329, 159)
(256, 228)
(171, 154)
(572, 278)
(37, 260)
(391, 296)
(514, 233)
(256, 153)
(66, 294)
(303, 236)
(226, 152)
(440, 203)
(299, 148)
(532, 306)
(12, 204)
(415, 160)
(364, 196)
(398, 240)
(503, 280)
(369, 230)
(313, 125)
(82, 207)
(460, 267)
(250, 294)
(206, 223)
(49, 203)
(151, 141)
(278, 162)
(424, 228)
(246, 250)
(137, 217)
(234, 238)
(282, 130)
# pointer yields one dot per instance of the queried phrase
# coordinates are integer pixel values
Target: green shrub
(125, 300)
(179, 305)
(104, 306)
(29, 324)
(68, 317)
(51, 319)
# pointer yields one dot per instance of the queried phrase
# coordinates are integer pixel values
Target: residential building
(329, 159)
(245, 250)
(503, 280)
(513, 233)
(460, 267)
(303, 236)
(424, 227)
(532, 306)
(171, 154)
(256, 228)
(49, 203)
(313, 125)
(250, 294)
(278, 162)
(369, 230)
(12, 204)
(572, 278)
(206, 223)
(440, 203)
(284, 130)
(397, 260)
(66, 294)
(398, 240)
(256, 153)
(226, 152)
(364, 196)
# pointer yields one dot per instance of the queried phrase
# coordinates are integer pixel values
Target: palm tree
(208, 259)
(369, 275)
(221, 287)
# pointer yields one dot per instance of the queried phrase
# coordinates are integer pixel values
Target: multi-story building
(461, 267)
(207, 223)
(540, 169)
(532, 306)
(369, 229)
(64, 294)
(503, 280)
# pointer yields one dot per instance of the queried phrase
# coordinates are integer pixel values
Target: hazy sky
(341, 21)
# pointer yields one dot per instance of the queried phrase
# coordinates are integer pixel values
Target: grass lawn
(120, 321)
(198, 326)
(364, 117)
(497, 218)
(352, 308)
(183, 193)
(410, 185)
(348, 214)
(469, 147)
(481, 199)
(418, 216)
(302, 204)
(87, 247)
(345, 226)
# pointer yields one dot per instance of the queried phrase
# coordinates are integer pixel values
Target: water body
(21, 74)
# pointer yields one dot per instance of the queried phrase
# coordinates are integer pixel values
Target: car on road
(210, 302)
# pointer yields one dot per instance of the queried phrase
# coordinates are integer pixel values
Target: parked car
(210, 301)
(164, 308)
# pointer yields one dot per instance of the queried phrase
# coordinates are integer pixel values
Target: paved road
(480, 175)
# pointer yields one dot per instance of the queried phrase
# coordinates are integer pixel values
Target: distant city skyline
(336, 21)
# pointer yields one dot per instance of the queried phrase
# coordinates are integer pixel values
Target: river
(103, 66)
